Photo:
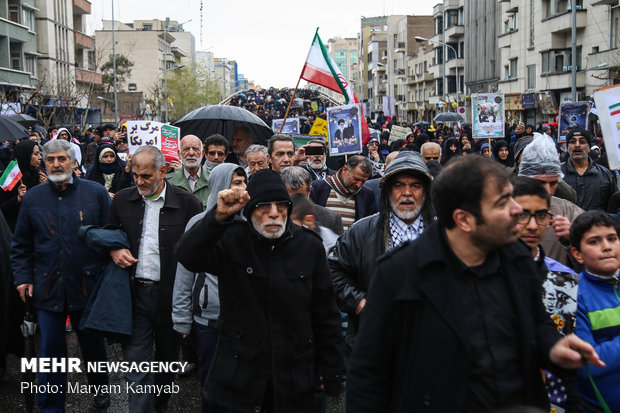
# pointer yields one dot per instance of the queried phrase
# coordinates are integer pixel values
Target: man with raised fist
(279, 338)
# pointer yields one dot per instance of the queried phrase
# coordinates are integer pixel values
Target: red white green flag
(321, 69)
(11, 176)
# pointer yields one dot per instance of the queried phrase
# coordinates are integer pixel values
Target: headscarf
(446, 153)
(23, 154)
(503, 144)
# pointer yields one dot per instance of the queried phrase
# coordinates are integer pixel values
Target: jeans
(147, 327)
(207, 339)
(54, 344)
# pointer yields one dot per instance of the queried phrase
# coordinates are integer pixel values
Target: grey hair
(58, 145)
(428, 145)
(295, 176)
(158, 157)
(256, 148)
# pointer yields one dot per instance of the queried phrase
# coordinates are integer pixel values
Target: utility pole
(166, 66)
(114, 70)
(574, 51)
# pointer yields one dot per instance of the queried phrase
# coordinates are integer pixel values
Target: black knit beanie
(265, 186)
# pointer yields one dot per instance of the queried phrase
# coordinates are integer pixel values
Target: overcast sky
(269, 39)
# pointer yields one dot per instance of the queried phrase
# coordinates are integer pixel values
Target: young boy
(596, 245)
(559, 283)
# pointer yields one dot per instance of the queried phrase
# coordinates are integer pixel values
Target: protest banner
(319, 128)
(398, 132)
(160, 135)
(314, 106)
(572, 114)
(300, 140)
(487, 115)
(290, 126)
(607, 102)
(344, 126)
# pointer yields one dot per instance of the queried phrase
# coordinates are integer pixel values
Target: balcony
(454, 33)
(604, 2)
(505, 39)
(83, 40)
(607, 56)
(401, 47)
(86, 76)
(563, 22)
(452, 64)
(81, 7)
(562, 80)
(435, 71)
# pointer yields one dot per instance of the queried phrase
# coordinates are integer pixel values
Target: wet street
(187, 400)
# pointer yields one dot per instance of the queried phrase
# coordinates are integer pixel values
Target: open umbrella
(448, 117)
(29, 328)
(23, 119)
(208, 120)
(11, 130)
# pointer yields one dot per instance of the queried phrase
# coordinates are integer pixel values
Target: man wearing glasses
(279, 327)
(594, 183)
(540, 161)
(558, 281)
(216, 148)
(192, 177)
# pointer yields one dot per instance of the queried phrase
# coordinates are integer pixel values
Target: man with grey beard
(192, 177)
(404, 213)
(55, 269)
(279, 328)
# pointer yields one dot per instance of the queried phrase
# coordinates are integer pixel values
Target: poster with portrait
(290, 126)
(487, 115)
(608, 109)
(164, 137)
(344, 127)
(572, 114)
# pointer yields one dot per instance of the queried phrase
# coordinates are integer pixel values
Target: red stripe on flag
(14, 179)
(313, 75)
(615, 112)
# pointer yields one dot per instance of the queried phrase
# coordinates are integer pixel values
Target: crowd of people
(437, 272)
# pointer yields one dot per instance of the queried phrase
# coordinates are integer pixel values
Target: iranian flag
(11, 176)
(321, 69)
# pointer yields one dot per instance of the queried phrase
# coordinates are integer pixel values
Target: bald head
(431, 151)
(191, 152)
(390, 157)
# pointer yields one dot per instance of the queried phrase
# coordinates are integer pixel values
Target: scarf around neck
(335, 181)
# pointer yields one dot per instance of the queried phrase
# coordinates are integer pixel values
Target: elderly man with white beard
(192, 177)
(405, 212)
(279, 337)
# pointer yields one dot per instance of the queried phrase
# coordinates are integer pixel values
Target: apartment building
(18, 50)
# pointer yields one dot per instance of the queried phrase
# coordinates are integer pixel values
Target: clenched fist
(229, 202)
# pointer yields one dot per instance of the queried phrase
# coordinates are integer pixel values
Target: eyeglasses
(218, 153)
(265, 207)
(542, 217)
(581, 141)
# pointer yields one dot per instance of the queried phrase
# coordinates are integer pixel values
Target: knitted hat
(265, 186)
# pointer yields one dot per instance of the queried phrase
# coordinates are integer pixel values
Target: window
(132, 87)
(532, 23)
(16, 60)
(353, 57)
(453, 47)
(438, 25)
(91, 60)
(340, 57)
(147, 26)
(31, 65)
(439, 55)
(452, 18)
(559, 60)
(14, 13)
(513, 68)
(28, 18)
(531, 76)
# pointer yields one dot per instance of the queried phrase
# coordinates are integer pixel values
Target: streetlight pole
(456, 55)
(114, 70)
(573, 87)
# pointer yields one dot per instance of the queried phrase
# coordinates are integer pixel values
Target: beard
(407, 215)
(261, 228)
(58, 178)
(317, 167)
(191, 163)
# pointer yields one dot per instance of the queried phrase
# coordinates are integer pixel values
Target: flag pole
(289, 105)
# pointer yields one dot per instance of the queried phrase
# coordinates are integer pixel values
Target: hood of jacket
(219, 179)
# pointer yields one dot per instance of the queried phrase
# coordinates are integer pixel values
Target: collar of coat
(171, 200)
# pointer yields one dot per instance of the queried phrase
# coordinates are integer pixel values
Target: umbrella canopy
(448, 117)
(208, 120)
(23, 119)
(11, 130)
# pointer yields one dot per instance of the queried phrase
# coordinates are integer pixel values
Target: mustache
(407, 200)
(57, 169)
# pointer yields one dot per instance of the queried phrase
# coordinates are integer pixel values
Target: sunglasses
(213, 153)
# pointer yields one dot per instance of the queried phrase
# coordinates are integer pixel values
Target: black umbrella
(23, 119)
(208, 120)
(29, 328)
(448, 117)
(11, 130)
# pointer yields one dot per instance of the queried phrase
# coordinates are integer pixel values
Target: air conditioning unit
(507, 77)
(566, 68)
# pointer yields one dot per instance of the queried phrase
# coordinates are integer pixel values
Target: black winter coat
(278, 316)
(411, 353)
(127, 211)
